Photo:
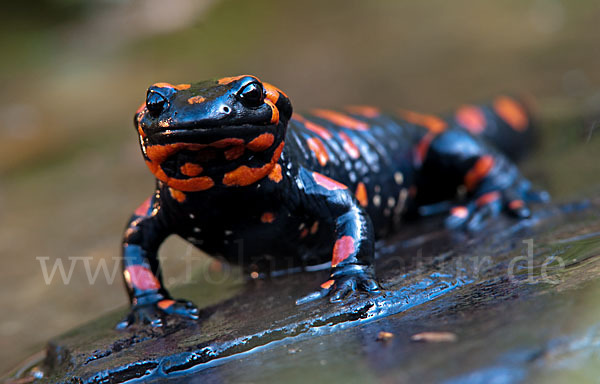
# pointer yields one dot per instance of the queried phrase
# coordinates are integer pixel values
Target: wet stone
(504, 308)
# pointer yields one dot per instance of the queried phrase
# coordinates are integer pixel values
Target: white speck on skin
(192, 216)
(228, 232)
(391, 202)
(399, 178)
(196, 229)
(377, 200)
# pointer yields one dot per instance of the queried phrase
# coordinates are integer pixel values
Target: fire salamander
(240, 176)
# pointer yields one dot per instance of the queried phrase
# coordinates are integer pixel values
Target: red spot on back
(143, 209)
(327, 284)
(341, 119)
(431, 122)
(471, 118)
(319, 150)
(479, 171)
(342, 249)
(142, 277)
(423, 147)
(361, 194)
(349, 146)
(327, 183)
(267, 217)
(364, 110)
(313, 127)
(512, 113)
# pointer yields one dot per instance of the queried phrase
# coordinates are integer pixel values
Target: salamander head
(225, 132)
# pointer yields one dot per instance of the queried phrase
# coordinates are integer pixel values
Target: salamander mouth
(207, 135)
(189, 153)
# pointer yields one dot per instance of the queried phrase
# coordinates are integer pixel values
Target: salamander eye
(155, 102)
(252, 95)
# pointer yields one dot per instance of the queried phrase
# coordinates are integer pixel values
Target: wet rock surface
(517, 301)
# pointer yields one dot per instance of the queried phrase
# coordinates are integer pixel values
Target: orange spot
(461, 212)
(274, 111)
(228, 142)
(341, 119)
(313, 127)
(177, 195)
(196, 100)
(319, 150)
(327, 284)
(227, 80)
(349, 146)
(261, 143)
(164, 304)
(191, 169)
(479, 171)
(142, 278)
(163, 85)
(267, 217)
(487, 198)
(364, 110)
(234, 152)
(245, 175)
(304, 233)
(342, 249)
(273, 92)
(182, 87)
(275, 174)
(512, 113)
(314, 228)
(361, 194)
(516, 204)
(423, 148)
(432, 123)
(143, 209)
(158, 153)
(471, 118)
(327, 183)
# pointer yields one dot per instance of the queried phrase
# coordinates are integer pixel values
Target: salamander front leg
(353, 251)
(150, 301)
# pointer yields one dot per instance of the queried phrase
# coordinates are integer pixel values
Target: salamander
(239, 175)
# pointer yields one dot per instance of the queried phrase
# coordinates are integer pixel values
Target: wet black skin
(304, 219)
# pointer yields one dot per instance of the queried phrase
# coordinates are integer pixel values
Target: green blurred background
(74, 71)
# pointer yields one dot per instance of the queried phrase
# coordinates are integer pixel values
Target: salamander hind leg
(493, 183)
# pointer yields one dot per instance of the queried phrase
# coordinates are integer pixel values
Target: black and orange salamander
(240, 176)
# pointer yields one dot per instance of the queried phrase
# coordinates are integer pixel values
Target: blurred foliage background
(74, 71)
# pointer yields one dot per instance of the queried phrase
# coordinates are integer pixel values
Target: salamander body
(242, 177)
